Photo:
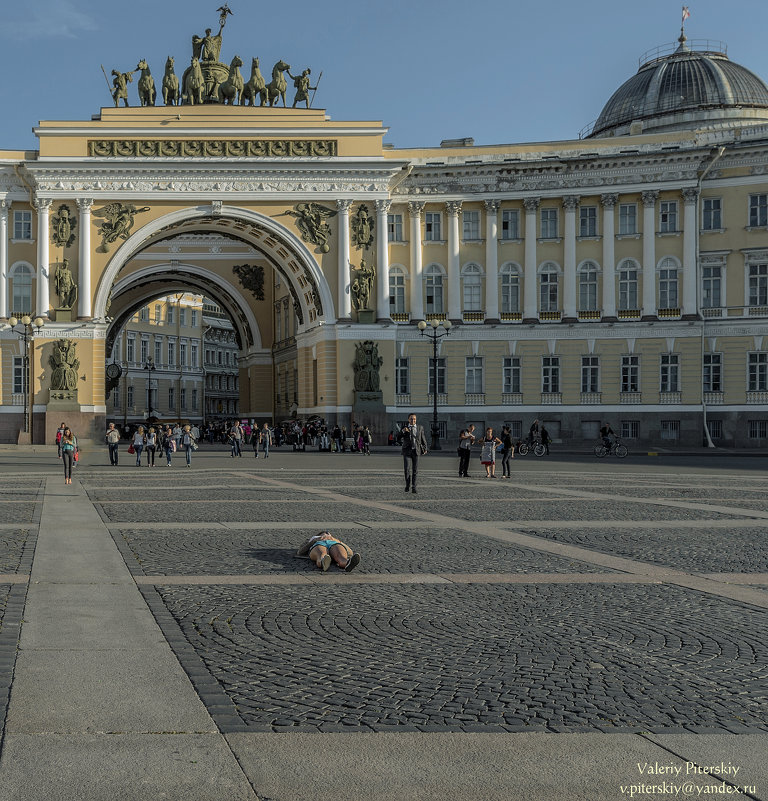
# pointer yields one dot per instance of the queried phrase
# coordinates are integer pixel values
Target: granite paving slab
(266, 551)
(700, 549)
(474, 657)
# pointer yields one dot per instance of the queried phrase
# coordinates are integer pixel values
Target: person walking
(488, 453)
(151, 446)
(265, 436)
(236, 439)
(507, 451)
(59, 433)
(169, 445)
(113, 442)
(466, 441)
(413, 444)
(188, 443)
(68, 448)
(139, 441)
(367, 439)
(545, 439)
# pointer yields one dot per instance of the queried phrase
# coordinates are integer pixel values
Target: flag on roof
(686, 13)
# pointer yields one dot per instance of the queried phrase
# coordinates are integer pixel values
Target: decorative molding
(531, 203)
(212, 148)
(416, 207)
(343, 205)
(492, 206)
(650, 197)
(571, 202)
(609, 199)
(453, 207)
(690, 195)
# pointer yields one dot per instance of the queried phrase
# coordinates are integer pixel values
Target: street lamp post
(25, 334)
(149, 366)
(435, 336)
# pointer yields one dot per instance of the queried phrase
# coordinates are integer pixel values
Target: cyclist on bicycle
(534, 433)
(606, 432)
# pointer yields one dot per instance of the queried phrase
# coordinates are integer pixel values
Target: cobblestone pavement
(12, 543)
(700, 549)
(479, 657)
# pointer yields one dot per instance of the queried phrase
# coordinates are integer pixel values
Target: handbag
(77, 456)
(131, 449)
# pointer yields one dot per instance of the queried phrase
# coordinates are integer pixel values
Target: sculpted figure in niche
(65, 285)
(362, 286)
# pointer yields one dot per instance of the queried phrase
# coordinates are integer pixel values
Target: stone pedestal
(366, 316)
(63, 315)
(368, 410)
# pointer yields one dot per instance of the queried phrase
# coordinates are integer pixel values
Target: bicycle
(617, 449)
(530, 444)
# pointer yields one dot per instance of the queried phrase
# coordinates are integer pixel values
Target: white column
(530, 313)
(382, 266)
(5, 205)
(570, 204)
(84, 269)
(453, 207)
(345, 297)
(415, 208)
(690, 233)
(609, 202)
(43, 304)
(491, 260)
(649, 254)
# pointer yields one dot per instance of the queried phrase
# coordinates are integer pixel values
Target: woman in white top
(138, 444)
(151, 443)
(188, 443)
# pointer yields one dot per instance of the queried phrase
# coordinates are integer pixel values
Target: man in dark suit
(414, 444)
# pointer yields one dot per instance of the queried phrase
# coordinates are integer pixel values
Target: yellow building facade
(619, 277)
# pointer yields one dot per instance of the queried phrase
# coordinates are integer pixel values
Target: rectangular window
(628, 218)
(193, 321)
(711, 283)
(169, 315)
(667, 216)
(193, 355)
(758, 429)
(630, 373)
(171, 353)
(712, 371)
(549, 223)
(22, 225)
(183, 397)
(711, 214)
(715, 428)
(395, 227)
(627, 290)
(515, 429)
(667, 289)
(434, 293)
(129, 397)
(144, 350)
(144, 314)
(588, 288)
(511, 374)
(440, 376)
(588, 221)
(670, 429)
(116, 398)
(473, 375)
(158, 310)
(758, 210)
(194, 399)
(548, 291)
(669, 373)
(432, 232)
(590, 374)
(758, 372)
(758, 284)
(19, 375)
(471, 225)
(402, 381)
(630, 429)
(130, 350)
(171, 398)
(158, 350)
(550, 374)
(510, 224)
(183, 354)
(182, 316)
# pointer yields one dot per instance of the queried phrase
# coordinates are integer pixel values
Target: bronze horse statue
(147, 91)
(231, 90)
(255, 86)
(171, 93)
(194, 84)
(277, 87)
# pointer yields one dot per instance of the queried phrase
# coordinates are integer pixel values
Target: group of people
(492, 445)
(237, 438)
(149, 440)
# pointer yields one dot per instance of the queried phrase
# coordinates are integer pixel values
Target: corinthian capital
(343, 206)
(416, 207)
(84, 204)
(609, 200)
(531, 203)
(492, 206)
(570, 202)
(42, 203)
(453, 207)
(690, 195)
(650, 197)
(382, 206)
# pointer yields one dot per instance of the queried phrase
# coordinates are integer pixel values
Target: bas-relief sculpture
(251, 278)
(63, 227)
(311, 222)
(119, 221)
(366, 366)
(362, 228)
(65, 365)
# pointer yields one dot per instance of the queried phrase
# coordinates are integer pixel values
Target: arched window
(21, 289)
(434, 296)
(396, 290)
(472, 281)
(510, 288)
(588, 286)
(668, 283)
(548, 287)
(628, 271)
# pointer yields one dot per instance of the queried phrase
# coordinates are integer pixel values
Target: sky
(494, 70)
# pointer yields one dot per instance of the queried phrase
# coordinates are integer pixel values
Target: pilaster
(452, 208)
(690, 235)
(609, 202)
(84, 270)
(491, 260)
(344, 296)
(382, 260)
(570, 204)
(649, 254)
(415, 209)
(530, 312)
(43, 207)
